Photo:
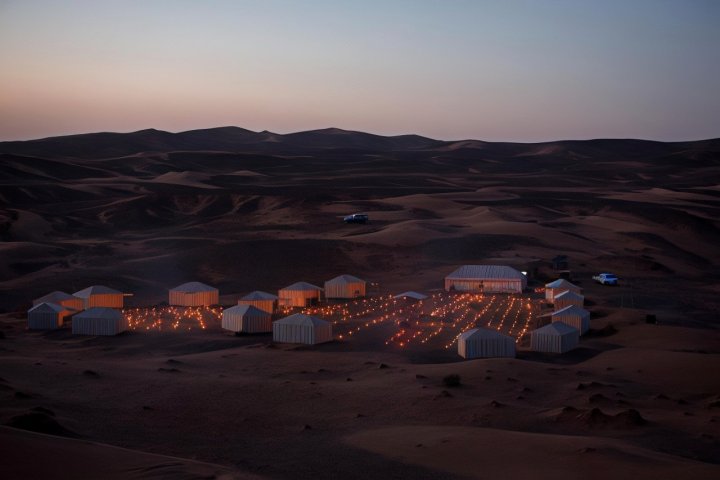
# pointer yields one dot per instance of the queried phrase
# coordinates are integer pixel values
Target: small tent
(47, 316)
(61, 298)
(345, 286)
(485, 343)
(194, 294)
(99, 321)
(262, 300)
(300, 294)
(559, 286)
(246, 319)
(568, 298)
(300, 328)
(574, 316)
(556, 337)
(100, 296)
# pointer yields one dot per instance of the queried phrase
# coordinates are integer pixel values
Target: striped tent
(485, 343)
(486, 278)
(262, 300)
(345, 286)
(99, 321)
(559, 286)
(247, 319)
(100, 296)
(47, 316)
(61, 298)
(300, 294)
(556, 337)
(568, 298)
(194, 294)
(574, 316)
(299, 328)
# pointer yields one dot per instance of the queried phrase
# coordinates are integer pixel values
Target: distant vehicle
(606, 279)
(356, 218)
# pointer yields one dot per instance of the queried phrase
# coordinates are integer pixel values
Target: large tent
(556, 337)
(47, 316)
(345, 286)
(486, 278)
(100, 296)
(553, 289)
(568, 298)
(247, 319)
(194, 294)
(99, 321)
(574, 316)
(300, 328)
(485, 343)
(61, 298)
(262, 300)
(300, 294)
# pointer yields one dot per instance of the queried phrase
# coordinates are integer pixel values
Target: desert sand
(242, 211)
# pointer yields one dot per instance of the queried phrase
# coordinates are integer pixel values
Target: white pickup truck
(606, 279)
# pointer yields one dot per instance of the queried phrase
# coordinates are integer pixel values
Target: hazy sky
(493, 70)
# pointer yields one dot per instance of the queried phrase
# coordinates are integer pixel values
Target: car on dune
(606, 279)
(356, 218)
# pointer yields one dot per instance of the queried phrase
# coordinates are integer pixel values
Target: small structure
(574, 316)
(300, 294)
(568, 298)
(300, 328)
(262, 300)
(47, 316)
(556, 337)
(553, 289)
(194, 294)
(345, 286)
(99, 321)
(410, 295)
(100, 296)
(61, 298)
(246, 319)
(485, 343)
(486, 278)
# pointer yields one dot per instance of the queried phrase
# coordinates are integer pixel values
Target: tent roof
(557, 329)
(569, 294)
(258, 295)
(485, 272)
(302, 286)
(100, 312)
(247, 310)
(193, 287)
(477, 333)
(47, 307)
(95, 290)
(572, 309)
(340, 279)
(411, 294)
(561, 282)
(302, 319)
(54, 297)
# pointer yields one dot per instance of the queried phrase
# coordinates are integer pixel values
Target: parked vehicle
(606, 279)
(356, 218)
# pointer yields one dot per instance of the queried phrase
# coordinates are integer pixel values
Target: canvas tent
(61, 298)
(345, 286)
(558, 287)
(262, 300)
(100, 296)
(486, 278)
(300, 294)
(556, 337)
(47, 316)
(485, 343)
(574, 316)
(99, 321)
(246, 319)
(299, 328)
(410, 295)
(568, 298)
(194, 294)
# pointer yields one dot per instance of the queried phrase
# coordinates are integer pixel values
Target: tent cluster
(568, 321)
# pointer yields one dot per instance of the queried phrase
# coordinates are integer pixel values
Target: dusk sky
(492, 70)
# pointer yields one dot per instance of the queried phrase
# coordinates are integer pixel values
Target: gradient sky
(508, 70)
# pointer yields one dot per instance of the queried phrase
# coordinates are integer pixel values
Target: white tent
(300, 294)
(559, 286)
(47, 316)
(411, 295)
(568, 298)
(247, 319)
(485, 343)
(556, 337)
(345, 286)
(574, 316)
(61, 298)
(99, 321)
(299, 328)
(194, 294)
(486, 278)
(262, 300)
(100, 296)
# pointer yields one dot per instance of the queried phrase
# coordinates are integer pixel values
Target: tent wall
(194, 299)
(98, 326)
(248, 323)
(46, 320)
(111, 300)
(560, 303)
(266, 305)
(298, 298)
(74, 303)
(486, 347)
(579, 321)
(486, 285)
(307, 334)
(344, 290)
(551, 293)
(553, 343)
